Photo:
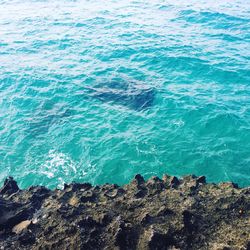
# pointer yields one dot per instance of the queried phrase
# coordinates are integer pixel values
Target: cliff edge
(167, 213)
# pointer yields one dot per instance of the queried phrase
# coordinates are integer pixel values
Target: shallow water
(74, 84)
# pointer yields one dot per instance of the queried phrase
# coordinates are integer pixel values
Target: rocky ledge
(167, 213)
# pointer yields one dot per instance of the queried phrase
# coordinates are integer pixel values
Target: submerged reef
(167, 213)
(129, 94)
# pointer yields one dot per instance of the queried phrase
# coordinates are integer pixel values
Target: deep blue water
(98, 91)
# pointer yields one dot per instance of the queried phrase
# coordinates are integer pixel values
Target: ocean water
(98, 91)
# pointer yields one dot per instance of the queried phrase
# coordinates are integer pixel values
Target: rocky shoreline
(167, 213)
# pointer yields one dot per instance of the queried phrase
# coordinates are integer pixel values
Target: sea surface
(98, 91)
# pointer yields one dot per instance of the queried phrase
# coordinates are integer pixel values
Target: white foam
(59, 165)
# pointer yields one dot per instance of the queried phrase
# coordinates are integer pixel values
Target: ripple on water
(98, 93)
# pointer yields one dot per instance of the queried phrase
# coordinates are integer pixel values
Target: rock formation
(167, 213)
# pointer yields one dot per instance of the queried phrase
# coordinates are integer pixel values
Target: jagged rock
(9, 187)
(166, 179)
(155, 183)
(226, 185)
(168, 214)
(138, 181)
(12, 213)
(201, 179)
(174, 182)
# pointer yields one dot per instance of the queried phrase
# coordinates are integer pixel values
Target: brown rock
(139, 215)
(21, 226)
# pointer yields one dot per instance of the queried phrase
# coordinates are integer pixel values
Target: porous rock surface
(167, 213)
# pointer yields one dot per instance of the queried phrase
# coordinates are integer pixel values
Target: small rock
(74, 201)
(21, 226)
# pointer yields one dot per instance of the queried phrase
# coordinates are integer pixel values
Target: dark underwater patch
(132, 95)
(42, 123)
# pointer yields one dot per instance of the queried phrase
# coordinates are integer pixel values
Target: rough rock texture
(167, 213)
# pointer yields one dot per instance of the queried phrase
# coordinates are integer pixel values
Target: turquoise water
(99, 91)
